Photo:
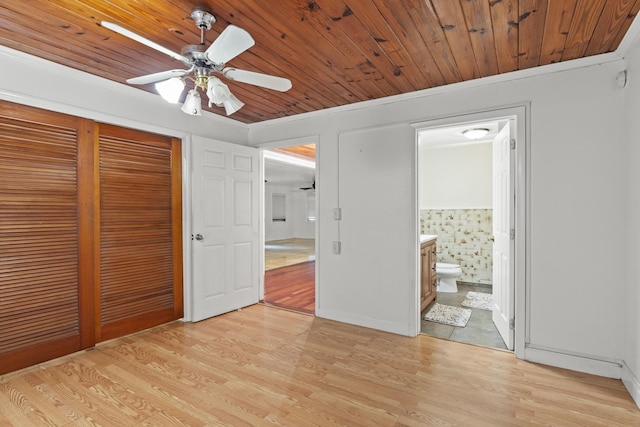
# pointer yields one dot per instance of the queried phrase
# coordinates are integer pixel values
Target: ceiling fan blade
(264, 80)
(157, 77)
(133, 36)
(229, 44)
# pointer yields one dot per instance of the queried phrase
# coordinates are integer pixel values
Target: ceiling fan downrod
(203, 20)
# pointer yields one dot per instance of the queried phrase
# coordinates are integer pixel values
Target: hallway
(289, 279)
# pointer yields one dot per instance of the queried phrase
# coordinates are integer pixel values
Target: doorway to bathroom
(467, 180)
(290, 227)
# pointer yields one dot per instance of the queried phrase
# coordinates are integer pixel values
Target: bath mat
(480, 300)
(448, 315)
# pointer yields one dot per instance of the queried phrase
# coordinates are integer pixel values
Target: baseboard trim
(631, 382)
(381, 325)
(574, 362)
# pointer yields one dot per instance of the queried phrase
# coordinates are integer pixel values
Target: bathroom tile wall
(464, 238)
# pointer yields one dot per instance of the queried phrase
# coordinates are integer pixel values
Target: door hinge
(512, 234)
(513, 144)
(512, 323)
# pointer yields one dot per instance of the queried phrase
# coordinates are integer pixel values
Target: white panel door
(225, 227)
(503, 247)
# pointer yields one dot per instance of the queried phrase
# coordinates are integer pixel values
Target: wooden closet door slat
(138, 257)
(39, 232)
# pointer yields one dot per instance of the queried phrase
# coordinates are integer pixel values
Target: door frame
(520, 174)
(305, 140)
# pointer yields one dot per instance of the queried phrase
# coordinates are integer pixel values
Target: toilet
(447, 276)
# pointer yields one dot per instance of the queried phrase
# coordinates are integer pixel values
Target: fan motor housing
(196, 56)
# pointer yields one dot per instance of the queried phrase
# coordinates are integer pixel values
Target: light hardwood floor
(265, 366)
(280, 253)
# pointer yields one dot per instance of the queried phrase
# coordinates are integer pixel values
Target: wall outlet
(336, 246)
(337, 214)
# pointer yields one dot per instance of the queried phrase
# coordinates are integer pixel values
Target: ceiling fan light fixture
(217, 92)
(220, 95)
(476, 133)
(232, 104)
(192, 104)
(170, 90)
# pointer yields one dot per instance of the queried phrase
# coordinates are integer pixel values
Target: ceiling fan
(313, 186)
(203, 64)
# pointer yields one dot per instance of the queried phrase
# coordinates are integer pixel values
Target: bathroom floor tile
(480, 329)
(437, 329)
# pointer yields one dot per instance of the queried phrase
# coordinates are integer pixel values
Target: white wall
(277, 230)
(455, 177)
(576, 216)
(302, 228)
(296, 225)
(631, 372)
(376, 270)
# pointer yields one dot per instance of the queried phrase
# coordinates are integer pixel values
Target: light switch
(337, 214)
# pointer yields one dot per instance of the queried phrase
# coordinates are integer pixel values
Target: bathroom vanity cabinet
(428, 278)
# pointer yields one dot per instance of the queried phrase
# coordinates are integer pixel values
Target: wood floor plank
(292, 287)
(263, 366)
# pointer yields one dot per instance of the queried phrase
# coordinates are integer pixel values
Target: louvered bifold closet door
(140, 231)
(40, 293)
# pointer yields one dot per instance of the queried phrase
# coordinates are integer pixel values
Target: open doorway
(467, 213)
(290, 228)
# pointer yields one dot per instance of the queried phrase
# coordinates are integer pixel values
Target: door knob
(199, 237)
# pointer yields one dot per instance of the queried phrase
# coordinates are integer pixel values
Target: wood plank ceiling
(335, 52)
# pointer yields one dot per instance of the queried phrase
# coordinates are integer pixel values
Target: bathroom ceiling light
(475, 133)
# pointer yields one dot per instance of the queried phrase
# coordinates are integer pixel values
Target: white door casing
(226, 227)
(503, 245)
(517, 116)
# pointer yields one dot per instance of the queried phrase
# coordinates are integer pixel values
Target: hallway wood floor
(262, 367)
(280, 253)
(292, 287)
